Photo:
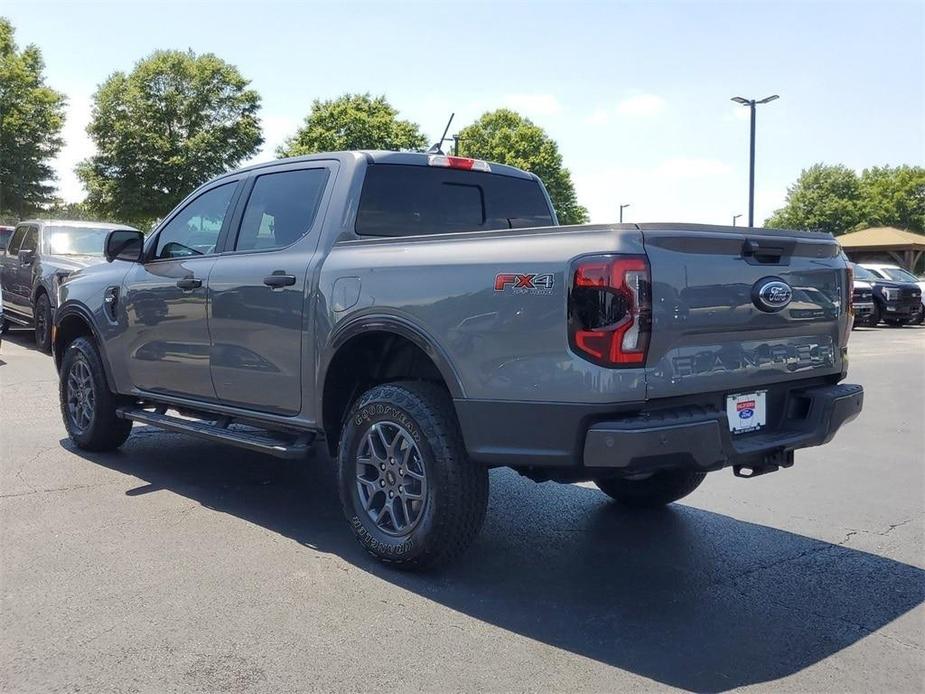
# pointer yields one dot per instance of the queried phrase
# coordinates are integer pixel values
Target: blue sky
(636, 93)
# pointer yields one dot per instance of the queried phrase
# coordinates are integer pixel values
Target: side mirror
(124, 244)
(26, 257)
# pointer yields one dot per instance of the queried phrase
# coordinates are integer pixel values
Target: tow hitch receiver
(771, 463)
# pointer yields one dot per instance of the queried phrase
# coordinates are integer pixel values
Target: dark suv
(40, 254)
(895, 303)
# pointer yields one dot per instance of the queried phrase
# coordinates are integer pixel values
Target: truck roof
(79, 223)
(379, 157)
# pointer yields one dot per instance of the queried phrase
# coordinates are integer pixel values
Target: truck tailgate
(710, 328)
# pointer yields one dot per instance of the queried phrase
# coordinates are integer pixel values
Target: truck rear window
(400, 200)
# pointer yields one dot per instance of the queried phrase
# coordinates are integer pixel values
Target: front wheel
(87, 405)
(42, 316)
(919, 317)
(408, 489)
(658, 489)
(875, 316)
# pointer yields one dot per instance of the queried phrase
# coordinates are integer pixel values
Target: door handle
(188, 283)
(281, 280)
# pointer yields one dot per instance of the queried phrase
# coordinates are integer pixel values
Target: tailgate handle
(755, 253)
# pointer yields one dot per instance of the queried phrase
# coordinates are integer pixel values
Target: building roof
(887, 238)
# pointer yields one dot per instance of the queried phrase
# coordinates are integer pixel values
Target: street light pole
(734, 218)
(752, 103)
(621, 211)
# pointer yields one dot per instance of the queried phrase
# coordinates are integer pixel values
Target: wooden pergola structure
(906, 248)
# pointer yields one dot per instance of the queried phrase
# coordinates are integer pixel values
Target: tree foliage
(835, 199)
(174, 122)
(353, 121)
(509, 138)
(894, 196)
(31, 119)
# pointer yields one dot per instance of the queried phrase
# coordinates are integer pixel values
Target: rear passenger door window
(280, 209)
(16, 241)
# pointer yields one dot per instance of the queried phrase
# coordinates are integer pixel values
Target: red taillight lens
(610, 310)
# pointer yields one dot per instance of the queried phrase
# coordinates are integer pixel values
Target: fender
(398, 325)
(67, 310)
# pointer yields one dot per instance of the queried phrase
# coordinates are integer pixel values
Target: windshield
(60, 240)
(862, 273)
(898, 274)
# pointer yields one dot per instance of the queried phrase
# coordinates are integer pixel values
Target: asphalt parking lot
(176, 565)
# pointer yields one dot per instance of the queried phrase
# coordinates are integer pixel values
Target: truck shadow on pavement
(683, 596)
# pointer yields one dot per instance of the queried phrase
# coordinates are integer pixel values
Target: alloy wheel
(81, 398)
(391, 478)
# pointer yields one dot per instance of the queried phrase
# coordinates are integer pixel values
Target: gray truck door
(24, 269)
(260, 286)
(167, 331)
(9, 271)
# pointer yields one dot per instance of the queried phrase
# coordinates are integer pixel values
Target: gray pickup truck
(425, 318)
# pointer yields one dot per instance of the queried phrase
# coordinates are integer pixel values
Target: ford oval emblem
(771, 294)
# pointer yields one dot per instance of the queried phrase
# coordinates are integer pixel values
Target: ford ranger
(426, 319)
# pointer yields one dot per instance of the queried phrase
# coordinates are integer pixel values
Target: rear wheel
(87, 405)
(43, 323)
(410, 493)
(658, 489)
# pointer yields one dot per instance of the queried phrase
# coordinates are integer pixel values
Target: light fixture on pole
(752, 103)
(621, 211)
(734, 218)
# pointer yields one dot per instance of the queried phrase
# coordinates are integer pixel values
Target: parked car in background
(5, 234)
(895, 303)
(894, 273)
(862, 300)
(40, 254)
(424, 316)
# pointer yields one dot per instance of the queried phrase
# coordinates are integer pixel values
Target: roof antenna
(437, 147)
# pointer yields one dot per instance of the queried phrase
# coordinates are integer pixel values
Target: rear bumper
(701, 438)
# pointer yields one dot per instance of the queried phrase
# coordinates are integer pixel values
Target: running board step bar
(220, 433)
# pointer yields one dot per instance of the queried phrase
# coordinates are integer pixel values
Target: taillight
(850, 292)
(464, 163)
(610, 310)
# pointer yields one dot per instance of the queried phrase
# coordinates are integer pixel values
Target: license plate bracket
(747, 411)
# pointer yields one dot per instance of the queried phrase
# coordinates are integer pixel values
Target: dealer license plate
(746, 411)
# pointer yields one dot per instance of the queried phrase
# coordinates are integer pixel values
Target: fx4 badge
(524, 283)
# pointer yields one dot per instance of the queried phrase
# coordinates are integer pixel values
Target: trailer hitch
(771, 463)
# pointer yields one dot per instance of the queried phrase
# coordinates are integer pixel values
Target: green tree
(175, 121)
(353, 121)
(31, 119)
(824, 198)
(894, 196)
(509, 138)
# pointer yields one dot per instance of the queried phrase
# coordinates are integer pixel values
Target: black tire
(4, 326)
(100, 429)
(875, 316)
(452, 490)
(42, 319)
(659, 489)
(919, 316)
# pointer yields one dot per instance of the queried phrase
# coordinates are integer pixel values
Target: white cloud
(692, 167)
(599, 116)
(641, 105)
(77, 147)
(534, 104)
